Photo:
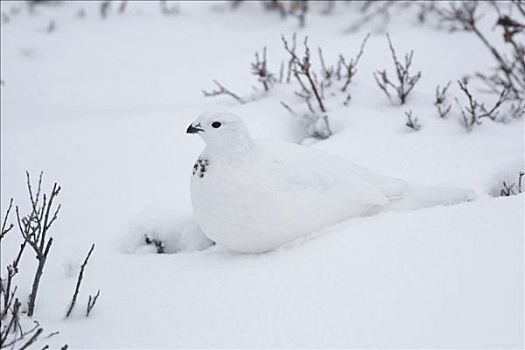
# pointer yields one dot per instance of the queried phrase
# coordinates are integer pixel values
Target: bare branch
(79, 281)
(351, 65)
(222, 91)
(292, 57)
(92, 300)
(32, 339)
(289, 109)
(6, 228)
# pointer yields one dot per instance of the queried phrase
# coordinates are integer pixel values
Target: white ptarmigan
(252, 196)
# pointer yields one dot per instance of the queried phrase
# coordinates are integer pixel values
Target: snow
(101, 106)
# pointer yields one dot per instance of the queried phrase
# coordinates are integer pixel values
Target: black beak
(193, 130)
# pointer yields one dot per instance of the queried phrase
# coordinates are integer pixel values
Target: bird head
(220, 129)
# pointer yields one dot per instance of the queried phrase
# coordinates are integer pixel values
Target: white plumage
(253, 196)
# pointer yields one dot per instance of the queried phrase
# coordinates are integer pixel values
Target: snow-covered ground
(102, 106)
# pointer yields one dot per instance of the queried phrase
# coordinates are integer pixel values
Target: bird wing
(316, 174)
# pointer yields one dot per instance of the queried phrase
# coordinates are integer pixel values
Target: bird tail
(422, 197)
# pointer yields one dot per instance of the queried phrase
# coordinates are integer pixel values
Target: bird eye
(216, 124)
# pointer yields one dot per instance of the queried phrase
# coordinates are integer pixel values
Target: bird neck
(232, 151)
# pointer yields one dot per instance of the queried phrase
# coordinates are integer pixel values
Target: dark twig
(351, 66)
(291, 62)
(33, 338)
(92, 300)
(440, 102)
(79, 281)
(348, 98)
(327, 73)
(289, 109)
(222, 91)
(260, 69)
(412, 121)
(5, 227)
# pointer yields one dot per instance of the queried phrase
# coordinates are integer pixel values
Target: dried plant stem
(79, 281)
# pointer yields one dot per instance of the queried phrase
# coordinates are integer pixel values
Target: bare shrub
(405, 81)
(509, 73)
(441, 102)
(34, 228)
(310, 90)
(475, 110)
(13, 332)
(264, 76)
(302, 67)
(260, 69)
(312, 87)
(412, 121)
(512, 189)
(350, 66)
